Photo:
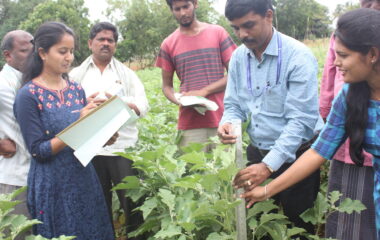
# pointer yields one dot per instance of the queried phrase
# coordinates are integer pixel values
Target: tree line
(143, 24)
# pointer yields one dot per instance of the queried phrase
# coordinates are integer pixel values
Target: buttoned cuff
(274, 159)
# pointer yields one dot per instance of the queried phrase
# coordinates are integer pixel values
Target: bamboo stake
(241, 219)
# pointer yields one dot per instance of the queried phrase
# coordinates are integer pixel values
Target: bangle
(265, 192)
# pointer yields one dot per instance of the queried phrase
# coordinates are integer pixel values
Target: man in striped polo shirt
(199, 54)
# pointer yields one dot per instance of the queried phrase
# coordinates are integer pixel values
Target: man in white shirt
(102, 74)
(14, 157)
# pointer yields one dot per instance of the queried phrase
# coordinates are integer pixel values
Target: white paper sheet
(88, 135)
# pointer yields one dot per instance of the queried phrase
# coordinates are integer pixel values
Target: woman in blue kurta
(355, 113)
(65, 196)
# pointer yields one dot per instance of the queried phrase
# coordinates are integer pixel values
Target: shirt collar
(272, 48)
(16, 72)
(110, 65)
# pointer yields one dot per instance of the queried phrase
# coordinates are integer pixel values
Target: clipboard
(89, 134)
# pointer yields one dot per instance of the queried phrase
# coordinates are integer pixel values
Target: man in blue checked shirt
(272, 83)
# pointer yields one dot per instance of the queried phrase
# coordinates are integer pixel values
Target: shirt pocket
(274, 100)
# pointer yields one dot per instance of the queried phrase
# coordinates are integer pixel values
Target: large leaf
(316, 214)
(189, 181)
(168, 198)
(129, 182)
(194, 158)
(270, 217)
(148, 206)
(171, 231)
(261, 207)
(6, 206)
(349, 206)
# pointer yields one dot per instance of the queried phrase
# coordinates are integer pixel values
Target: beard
(187, 24)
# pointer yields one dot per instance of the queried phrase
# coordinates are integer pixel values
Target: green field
(200, 182)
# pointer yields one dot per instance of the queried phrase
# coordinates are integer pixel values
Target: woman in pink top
(352, 181)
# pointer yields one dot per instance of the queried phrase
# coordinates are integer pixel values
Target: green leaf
(221, 205)
(204, 209)
(261, 207)
(129, 182)
(17, 192)
(270, 217)
(126, 155)
(317, 213)
(189, 227)
(182, 237)
(21, 224)
(136, 194)
(193, 147)
(334, 197)
(194, 158)
(189, 181)
(171, 231)
(148, 206)
(226, 174)
(168, 198)
(214, 236)
(149, 155)
(169, 166)
(349, 206)
(294, 231)
(275, 230)
(209, 182)
(148, 225)
(253, 224)
(6, 206)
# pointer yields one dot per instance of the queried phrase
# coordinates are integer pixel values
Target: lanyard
(279, 63)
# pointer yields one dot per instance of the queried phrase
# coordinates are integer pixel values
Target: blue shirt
(286, 113)
(334, 134)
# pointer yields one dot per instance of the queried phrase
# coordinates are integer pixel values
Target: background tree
(70, 12)
(302, 19)
(342, 8)
(146, 23)
(12, 13)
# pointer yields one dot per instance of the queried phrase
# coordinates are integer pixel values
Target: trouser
(298, 198)
(111, 170)
(20, 209)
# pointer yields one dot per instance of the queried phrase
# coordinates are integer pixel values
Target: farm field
(186, 194)
(189, 195)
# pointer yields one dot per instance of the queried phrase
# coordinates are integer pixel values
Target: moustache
(105, 48)
(248, 40)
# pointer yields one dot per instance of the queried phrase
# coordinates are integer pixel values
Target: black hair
(359, 31)
(98, 27)
(47, 35)
(239, 8)
(170, 2)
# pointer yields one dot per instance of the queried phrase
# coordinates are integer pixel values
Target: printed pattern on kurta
(62, 194)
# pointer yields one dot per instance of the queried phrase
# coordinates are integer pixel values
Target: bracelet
(265, 192)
